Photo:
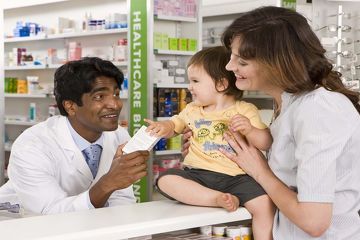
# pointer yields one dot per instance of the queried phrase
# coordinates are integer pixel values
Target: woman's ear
(70, 107)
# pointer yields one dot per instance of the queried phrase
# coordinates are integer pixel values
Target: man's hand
(125, 170)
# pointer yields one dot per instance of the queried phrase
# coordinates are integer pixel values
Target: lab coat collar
(65, 139)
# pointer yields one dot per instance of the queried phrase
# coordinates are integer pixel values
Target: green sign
(290, 4)
(138, 78)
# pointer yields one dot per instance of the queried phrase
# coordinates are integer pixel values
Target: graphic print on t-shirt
(209, 134)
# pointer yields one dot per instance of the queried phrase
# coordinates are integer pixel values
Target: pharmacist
(74, 161)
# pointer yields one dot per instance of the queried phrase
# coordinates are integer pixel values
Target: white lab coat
(48, 173)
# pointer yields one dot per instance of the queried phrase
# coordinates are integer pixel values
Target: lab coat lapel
(67, 142)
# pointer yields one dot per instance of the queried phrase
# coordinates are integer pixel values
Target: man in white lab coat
(47, 169)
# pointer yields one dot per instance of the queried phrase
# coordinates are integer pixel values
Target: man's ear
(70, 107)
(222, 85)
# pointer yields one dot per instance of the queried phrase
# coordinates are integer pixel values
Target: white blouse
(316, 152)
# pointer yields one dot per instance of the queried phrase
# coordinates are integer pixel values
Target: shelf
(53, 66)
(167, 152)
(209, 45)
(257, 96)
(175, 18)
(162, 118)
(87, 33)
(67, 35)
(27, 67)
(24, 39)
(25, 95)
(19, 123)
(119, 222)
(172, 85)
(7, 147)
(173, 52)
(120, 64)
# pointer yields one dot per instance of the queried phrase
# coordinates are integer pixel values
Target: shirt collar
(81, 142)
(286, 100)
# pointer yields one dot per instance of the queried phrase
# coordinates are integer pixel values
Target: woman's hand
(186, 134)
(249, 158)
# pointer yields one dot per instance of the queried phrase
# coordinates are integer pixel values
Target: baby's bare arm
(260, 138)
(163, 129)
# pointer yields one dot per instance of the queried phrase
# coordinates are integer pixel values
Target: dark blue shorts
(242, 186)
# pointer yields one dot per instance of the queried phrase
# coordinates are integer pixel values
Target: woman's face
(247, 72)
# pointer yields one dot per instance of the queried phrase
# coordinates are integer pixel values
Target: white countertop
(118, 222)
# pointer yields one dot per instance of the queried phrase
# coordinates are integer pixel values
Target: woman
(313, 168)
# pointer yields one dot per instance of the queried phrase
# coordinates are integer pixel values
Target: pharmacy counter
(118, 222)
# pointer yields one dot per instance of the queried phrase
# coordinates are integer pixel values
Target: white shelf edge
(87, 33)
(24, 95)
(29, 67)
(172, 85)
(120, 64)
(54, 66)
(7, 148)
(173, 52)
(67, 35)
(257, 96)
(175, 18)
(167, 152)
(209, 45)
(162, 118)
(24, 39)
(19, 123)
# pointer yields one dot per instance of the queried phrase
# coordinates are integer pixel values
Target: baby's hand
(159, 129)
(241, 123)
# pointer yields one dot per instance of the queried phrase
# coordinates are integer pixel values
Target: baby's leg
(262, 210)
(192, 193)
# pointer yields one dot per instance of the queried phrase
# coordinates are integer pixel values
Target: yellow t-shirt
(208, 129)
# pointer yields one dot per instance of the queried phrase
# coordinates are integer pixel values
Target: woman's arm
(313, 218)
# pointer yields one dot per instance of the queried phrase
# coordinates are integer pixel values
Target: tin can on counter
(233, 232)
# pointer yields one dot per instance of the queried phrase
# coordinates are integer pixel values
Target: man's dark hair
(75, 78)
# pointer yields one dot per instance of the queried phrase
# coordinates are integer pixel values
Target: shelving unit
(175, 27)
(94, 43)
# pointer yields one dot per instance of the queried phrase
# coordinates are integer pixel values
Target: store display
(341, 48)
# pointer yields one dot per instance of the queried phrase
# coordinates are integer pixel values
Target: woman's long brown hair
(282, 42)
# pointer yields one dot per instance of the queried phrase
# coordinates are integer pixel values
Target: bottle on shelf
(32, 84)
(168, 104)
(182, 99)
(74, 51)
(120, 50)
(174, 96)
(32, 112)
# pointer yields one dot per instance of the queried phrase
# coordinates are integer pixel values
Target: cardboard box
(182, 44)
(173, 44)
